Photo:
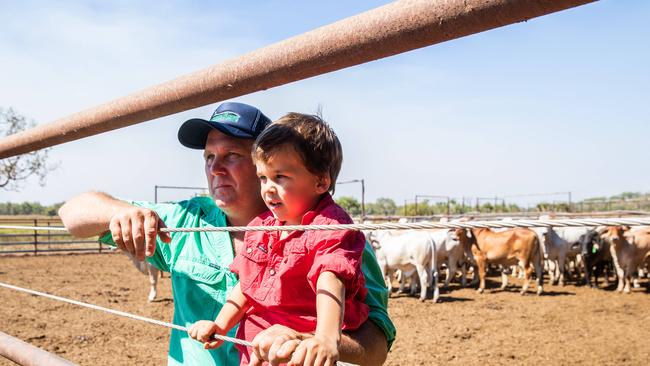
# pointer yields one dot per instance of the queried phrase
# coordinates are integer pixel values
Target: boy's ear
(323, 183)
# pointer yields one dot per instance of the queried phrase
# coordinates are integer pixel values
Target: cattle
(561, 246)
(450, 252)
(407, 251)
(628, 248)
(515, 246)
(596, 256)
(147, 269)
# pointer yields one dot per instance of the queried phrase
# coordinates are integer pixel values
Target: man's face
(230, 171)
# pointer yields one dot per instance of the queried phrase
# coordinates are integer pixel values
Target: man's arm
(366, 345)
(133, 228)
(89, 214)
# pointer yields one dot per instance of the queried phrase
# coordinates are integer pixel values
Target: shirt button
(271, 271)
(249, 250)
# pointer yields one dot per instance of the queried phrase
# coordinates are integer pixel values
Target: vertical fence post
(35, 237)
(49, 236)
(448, 206)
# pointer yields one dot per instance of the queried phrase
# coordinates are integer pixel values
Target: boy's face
(288, 188)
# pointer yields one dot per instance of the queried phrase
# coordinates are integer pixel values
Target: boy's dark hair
(310, 136)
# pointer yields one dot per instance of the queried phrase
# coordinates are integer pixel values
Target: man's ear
(323, 183)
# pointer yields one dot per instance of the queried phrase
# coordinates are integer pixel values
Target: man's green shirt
(198, 263)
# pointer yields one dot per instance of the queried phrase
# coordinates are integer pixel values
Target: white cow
(450, 252)
(561, 245)
(407, 251)
(152, 272)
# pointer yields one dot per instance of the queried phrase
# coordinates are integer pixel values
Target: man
(198, 261)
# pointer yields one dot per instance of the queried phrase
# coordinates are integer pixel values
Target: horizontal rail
(65, 242)
(635, 221)
(32, 235)
(51, 250)
(119, 313)
(500, 215)
(385, 31)
(35, 228)
(496, 224)
(25, 354)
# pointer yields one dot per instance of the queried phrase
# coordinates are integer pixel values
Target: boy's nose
(271, 188)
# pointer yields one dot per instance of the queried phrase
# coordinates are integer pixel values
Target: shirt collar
(324, 201)
(308, 217)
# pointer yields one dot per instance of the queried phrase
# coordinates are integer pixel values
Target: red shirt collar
(307, 218)
(325, 200)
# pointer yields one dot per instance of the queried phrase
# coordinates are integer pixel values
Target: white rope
(406, 226)
(432, 225)
(121, 313)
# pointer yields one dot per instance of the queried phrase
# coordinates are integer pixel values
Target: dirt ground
(569, 325)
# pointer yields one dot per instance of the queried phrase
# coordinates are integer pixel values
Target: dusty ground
(570, 325)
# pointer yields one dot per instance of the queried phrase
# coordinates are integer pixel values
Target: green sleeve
(377, 297)
(170, 214)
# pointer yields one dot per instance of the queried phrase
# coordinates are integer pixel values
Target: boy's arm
(367, 345)
(231, 313)
(322, 348)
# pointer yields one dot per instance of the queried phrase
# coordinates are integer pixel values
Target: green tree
(349, 204)
(385, 206)
(16, 169)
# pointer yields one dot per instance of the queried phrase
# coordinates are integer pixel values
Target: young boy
(308, 280)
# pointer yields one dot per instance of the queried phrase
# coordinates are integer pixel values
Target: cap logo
(227, 117)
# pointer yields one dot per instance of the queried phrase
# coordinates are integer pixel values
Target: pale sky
(558, 103)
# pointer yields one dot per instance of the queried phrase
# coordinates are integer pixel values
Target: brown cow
(515, 246)
(629, 248)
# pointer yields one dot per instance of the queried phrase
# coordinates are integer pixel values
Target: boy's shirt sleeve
(377, 296)
(338, 252)
(170, 215)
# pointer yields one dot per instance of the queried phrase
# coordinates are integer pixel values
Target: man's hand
(134, 230)
(315, 351)
(275, 344)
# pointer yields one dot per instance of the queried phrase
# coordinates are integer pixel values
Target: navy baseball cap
(234, 119)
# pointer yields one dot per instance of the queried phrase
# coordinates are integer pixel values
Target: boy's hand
(203, 330)
(316, 351)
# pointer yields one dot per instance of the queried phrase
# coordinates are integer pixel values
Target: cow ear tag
(595, 248)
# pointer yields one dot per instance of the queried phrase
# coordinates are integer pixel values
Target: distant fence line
(497, 216)
(43, 241)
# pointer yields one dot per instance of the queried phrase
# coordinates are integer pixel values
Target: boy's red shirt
(278, 277)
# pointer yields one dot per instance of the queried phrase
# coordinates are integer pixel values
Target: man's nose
(217, 168)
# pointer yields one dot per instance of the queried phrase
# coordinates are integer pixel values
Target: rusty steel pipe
(385, 31)
(27, 355)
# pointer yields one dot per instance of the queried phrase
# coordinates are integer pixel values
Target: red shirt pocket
(293, 288)
(255, 278)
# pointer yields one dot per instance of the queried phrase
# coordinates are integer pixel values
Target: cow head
(464, 236)
(373, 238)
(591, 244)
(617, 235)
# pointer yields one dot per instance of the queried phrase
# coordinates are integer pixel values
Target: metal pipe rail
(385, 31)
(25, 354)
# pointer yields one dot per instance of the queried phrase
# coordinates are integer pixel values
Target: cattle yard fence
(44, 236)
(385, 31)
